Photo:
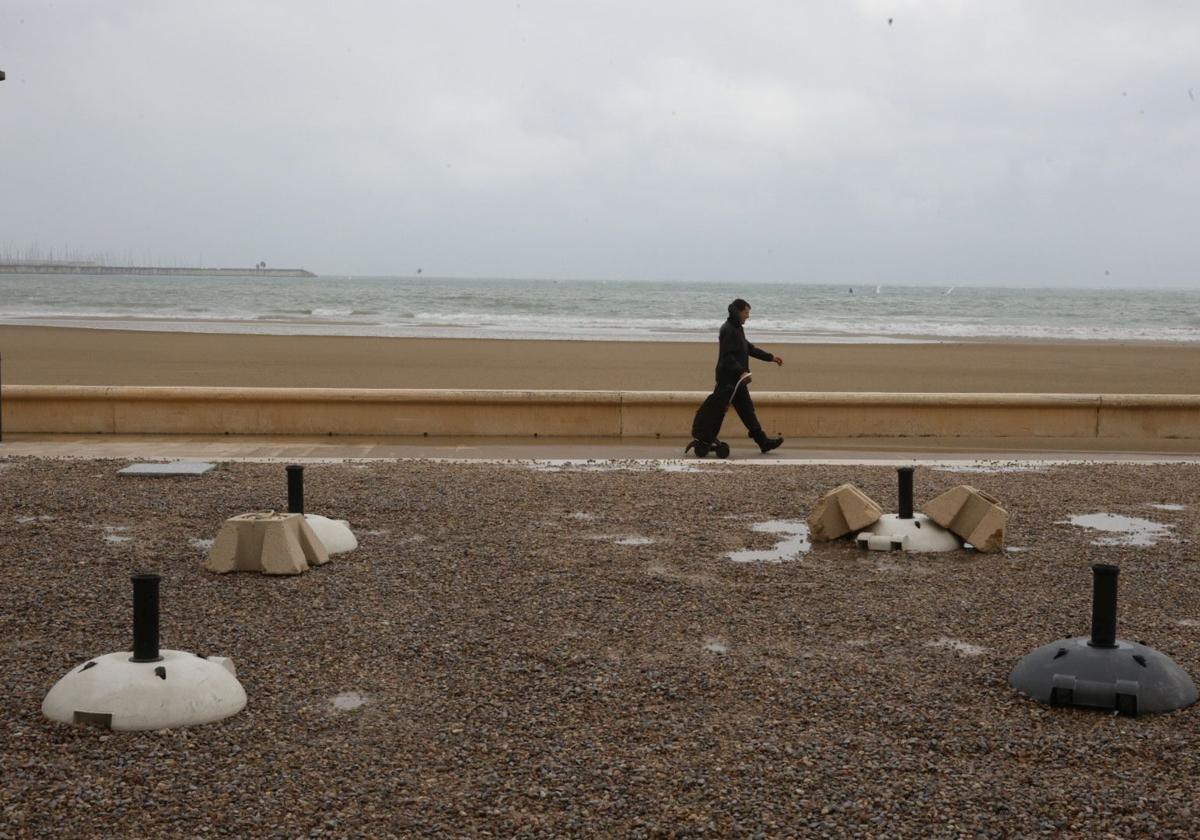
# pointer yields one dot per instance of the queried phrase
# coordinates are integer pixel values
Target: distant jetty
(145, 270)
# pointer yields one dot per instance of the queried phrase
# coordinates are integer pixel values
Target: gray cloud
(1029, 143)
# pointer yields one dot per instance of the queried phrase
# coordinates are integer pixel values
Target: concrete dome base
(179, 689)
(335, 534)
(919, 534)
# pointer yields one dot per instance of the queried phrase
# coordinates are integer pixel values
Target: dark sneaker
(767, 444)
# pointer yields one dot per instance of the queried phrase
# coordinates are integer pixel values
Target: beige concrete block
(1149, 416)
(841, 511)
(83, 409)
(267, 542)
(972, 514)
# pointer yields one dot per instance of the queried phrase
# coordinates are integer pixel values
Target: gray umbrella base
(1129, 678)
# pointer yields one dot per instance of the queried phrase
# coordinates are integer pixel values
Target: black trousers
(707, 424)
(744, 406)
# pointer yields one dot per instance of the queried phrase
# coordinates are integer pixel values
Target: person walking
(732, 387)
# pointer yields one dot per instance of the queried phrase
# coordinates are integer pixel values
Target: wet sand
(61, 356)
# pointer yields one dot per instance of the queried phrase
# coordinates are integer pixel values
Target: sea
(596, 310)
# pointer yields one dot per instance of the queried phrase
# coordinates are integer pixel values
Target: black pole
(1104, 605)
(145, 619)
(295, 474)
(905, 474)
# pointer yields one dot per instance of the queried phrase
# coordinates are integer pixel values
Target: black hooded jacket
(733, 358)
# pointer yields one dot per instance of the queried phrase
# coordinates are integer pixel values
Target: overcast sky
(1039, 143)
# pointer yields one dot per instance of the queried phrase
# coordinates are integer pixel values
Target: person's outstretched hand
(778, 361)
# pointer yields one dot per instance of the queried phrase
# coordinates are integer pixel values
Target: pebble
(525, 682)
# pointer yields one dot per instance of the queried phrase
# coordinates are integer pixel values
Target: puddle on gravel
(615, 466)
(112, 534)
(1122, 530)
(794, 542)
(1188, 622)
(581, 516)
(965, 648)
(634, 541)
(27, 520)
(1015, 549)
(1169, 507)
(348, 700)
(991, 468)
(201, 545)
(716, 646)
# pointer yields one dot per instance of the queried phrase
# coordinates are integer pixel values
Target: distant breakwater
(148, 271)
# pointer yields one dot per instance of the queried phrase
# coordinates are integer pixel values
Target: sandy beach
(570, 655)
(56, 356)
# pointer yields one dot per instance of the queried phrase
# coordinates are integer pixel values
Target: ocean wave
(811, 328)
(1089, 332)
(568, 322)
(333, 321)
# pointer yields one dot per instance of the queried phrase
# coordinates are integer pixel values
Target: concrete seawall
(49, 409)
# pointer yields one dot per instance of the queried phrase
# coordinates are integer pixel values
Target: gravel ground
(536, 652)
